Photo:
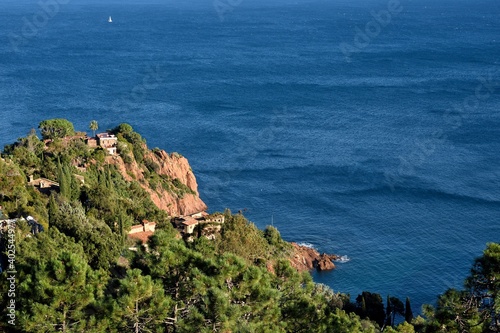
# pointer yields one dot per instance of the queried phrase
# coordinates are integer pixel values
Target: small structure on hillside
(7, 226)
(208, 224)
(142, 231)
(91, 142)
(36, 227)
(189, 224)
(199, 215)
(106, 141)
(44, 185)
(215, 218)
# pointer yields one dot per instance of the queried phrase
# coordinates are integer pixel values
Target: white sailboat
(110, 20)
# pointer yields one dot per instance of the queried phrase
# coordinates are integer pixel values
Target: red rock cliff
(174, 166)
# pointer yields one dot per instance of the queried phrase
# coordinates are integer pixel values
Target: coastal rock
(174, 166)
(305, 258)
(324, 262)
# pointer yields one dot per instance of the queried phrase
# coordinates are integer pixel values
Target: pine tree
(363, 306)
(374, 305)
(398, 308)
(408, 311)
(57, 286)
(141, 304)
(388, 312)
(53, 209)
(74, 184)
(64, 181)
(484, 283)
(69, 186)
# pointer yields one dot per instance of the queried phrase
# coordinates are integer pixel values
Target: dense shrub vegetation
(79, 276)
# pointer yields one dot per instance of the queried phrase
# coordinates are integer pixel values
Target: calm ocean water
(373, 156)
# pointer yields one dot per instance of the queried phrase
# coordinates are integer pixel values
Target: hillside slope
(181, 197)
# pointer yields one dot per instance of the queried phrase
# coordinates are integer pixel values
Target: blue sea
(364, 128)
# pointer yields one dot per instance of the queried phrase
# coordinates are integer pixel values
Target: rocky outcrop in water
(306, 258)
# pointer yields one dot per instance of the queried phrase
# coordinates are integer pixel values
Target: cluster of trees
(370, 305)
(170, 288)
(16, 198)
(56, 128)
(105, 193)
(68, 184)
(79, 276)
(133, 141)
(476, 308)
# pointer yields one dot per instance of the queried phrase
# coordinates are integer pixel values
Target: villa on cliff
(106, 141)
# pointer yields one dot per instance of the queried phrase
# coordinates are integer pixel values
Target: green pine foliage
(57, 289)
(475, 308)
(79, 275)
(56, 128)
(139, 305)
(68, 184)
(134, 140)
(408, 311)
